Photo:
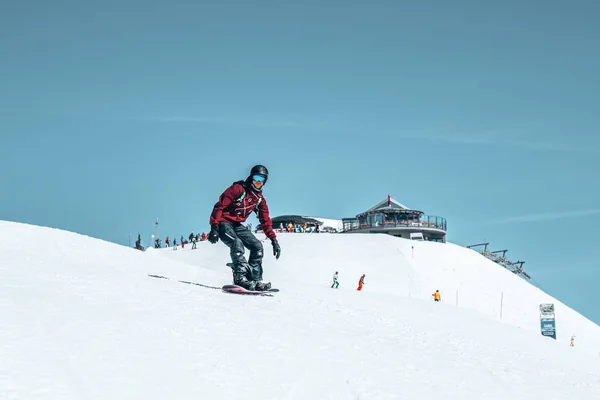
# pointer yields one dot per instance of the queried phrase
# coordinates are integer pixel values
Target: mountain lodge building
(393, 218)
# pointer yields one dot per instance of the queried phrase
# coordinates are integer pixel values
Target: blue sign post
(547, 320)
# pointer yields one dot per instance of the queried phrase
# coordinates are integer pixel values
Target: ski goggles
(258, 178)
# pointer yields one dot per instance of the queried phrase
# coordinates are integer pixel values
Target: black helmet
(260, 170)
(257, 170)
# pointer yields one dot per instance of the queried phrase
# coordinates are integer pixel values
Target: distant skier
(437, 296)
(138, 243)
(335, 280)
(361, 282)
(234, 207)
(193, 242)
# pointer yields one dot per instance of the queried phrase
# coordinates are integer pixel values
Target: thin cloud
(548, 146)
(259, 122)
(484, 139)
(503, 141)
(493, 138)
(544, 217)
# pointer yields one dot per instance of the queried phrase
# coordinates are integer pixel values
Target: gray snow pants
(236, 237)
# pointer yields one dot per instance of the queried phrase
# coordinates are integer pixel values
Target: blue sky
(117, 113)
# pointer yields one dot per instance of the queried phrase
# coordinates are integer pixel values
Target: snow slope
(81, 319)
(405, 268)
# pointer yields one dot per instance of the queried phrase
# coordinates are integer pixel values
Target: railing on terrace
(425, 221)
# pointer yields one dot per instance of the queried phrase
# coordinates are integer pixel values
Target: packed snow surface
(82, 319)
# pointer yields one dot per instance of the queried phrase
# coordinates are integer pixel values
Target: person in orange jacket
(437, 296)
(361, 282)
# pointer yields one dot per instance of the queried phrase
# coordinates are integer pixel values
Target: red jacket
(232, 207)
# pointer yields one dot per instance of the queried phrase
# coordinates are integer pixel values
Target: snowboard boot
(242, 281)
(262, 286)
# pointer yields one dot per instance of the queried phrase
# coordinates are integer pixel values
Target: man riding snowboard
(234, 207)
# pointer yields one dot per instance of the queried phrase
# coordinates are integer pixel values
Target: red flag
(389, 200)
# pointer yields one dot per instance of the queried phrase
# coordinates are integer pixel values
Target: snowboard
(232, 287)
(240, 290)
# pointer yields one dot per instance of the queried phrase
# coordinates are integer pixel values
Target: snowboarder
(138, 243)
(361, 282)
(335, 280)
(437, 296)
(235, 205)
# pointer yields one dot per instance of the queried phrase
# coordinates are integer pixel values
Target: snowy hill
(81, 319)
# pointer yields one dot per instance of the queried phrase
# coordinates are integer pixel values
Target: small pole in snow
(413, 251)
(501, 303)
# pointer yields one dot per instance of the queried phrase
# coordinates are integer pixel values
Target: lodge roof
(387, 204)
(295, 219)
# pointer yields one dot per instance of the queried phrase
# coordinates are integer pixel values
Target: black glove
(276, 249)
(213, 236)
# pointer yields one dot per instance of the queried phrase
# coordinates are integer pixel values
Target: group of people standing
(193, 239)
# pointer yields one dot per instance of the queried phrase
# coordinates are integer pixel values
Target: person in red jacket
(234, 207)
(361, 282)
